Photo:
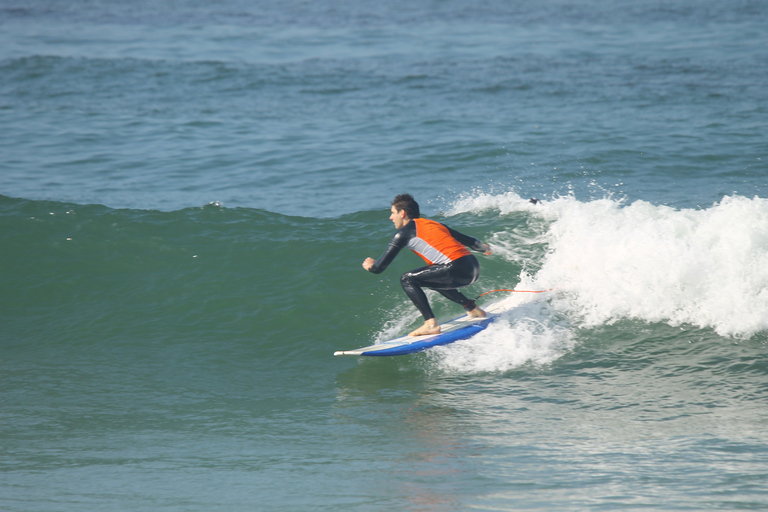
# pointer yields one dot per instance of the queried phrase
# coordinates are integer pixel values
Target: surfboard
(457, 329)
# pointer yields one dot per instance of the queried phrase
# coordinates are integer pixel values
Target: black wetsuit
(450, 264)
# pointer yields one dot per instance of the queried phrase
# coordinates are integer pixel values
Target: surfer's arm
(472, 243)
(377, 267)
(383, 262)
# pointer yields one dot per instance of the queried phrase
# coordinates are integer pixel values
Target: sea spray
(606, 261)
(707, 268)
(530, 333)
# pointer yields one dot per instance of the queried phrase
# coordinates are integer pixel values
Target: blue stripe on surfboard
(461, 333)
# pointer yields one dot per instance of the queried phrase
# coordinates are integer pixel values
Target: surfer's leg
(461, 299)
(444, 279)
(412, 284)
(461, 272)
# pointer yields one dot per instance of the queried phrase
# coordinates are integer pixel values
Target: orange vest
(434, 243)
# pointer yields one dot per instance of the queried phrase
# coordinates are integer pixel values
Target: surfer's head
(406, 202)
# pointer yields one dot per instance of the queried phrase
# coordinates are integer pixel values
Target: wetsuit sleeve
(399, 240)
(472, 243)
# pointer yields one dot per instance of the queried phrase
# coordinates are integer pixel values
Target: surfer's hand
(488, 250)
(368, 263)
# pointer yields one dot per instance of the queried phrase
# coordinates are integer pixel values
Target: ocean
(188, 190)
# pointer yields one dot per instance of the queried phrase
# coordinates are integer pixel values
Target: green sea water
(183, 360)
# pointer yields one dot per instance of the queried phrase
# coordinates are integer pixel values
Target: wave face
(248, 273)
(212, 326)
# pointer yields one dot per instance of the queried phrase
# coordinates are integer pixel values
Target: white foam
(609, 261)
(505, 203)
(530, 333)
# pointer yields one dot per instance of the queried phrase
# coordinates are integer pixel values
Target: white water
(607, 261)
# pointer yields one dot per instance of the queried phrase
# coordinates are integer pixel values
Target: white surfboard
(457, 329)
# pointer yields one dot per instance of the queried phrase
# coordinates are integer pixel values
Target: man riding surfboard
(450, 265)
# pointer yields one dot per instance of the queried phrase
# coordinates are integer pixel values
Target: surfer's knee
(411, 287)
(406, 280)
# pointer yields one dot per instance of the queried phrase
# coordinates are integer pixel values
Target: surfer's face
(398, 218)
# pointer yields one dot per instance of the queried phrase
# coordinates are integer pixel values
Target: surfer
(449, 264)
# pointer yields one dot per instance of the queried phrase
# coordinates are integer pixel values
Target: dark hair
(408, 203)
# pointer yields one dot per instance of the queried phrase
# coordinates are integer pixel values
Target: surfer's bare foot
(477, 313)
(430, 327)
